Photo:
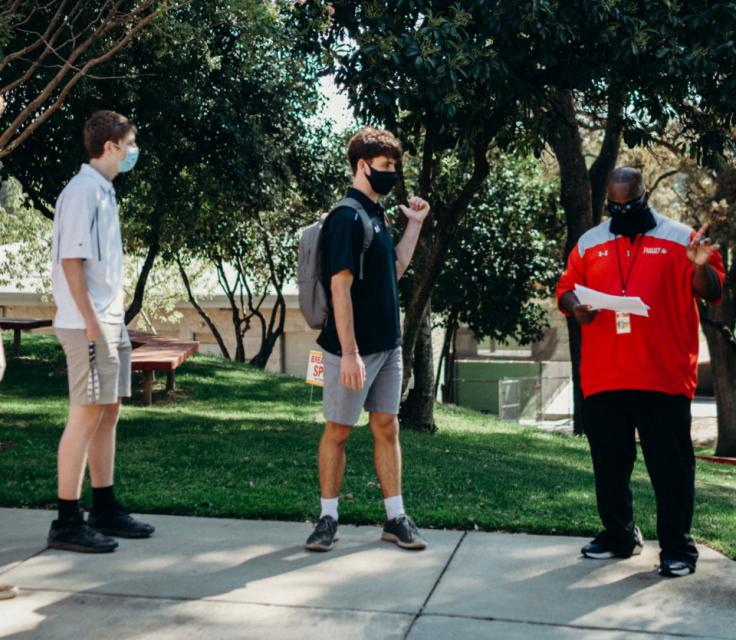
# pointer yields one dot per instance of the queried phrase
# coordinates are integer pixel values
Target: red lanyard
(624, 283)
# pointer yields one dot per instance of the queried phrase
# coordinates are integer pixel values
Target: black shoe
(403, 532)
(675, 568)
(79, 536)
(600, 548)
(120, 523)
(324, 536)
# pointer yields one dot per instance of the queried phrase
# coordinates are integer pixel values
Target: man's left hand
(417, 209)
(701, 248)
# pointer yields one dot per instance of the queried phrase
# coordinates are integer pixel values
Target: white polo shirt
(86, 225)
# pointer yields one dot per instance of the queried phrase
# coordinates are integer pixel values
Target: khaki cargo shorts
(113, 363)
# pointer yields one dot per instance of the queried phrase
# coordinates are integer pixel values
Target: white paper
(623, 304)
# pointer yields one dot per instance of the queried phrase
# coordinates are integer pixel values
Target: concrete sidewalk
(222, 579)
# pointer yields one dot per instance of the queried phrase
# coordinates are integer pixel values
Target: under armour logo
(603, 254)
(377, 229)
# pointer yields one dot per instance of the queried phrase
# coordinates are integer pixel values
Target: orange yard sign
(315, 369)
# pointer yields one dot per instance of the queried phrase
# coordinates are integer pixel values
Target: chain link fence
(535, 399)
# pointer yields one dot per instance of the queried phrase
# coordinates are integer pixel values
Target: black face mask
(631, 218)
(382, 181)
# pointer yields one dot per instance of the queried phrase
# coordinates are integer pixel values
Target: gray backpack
(312, 295)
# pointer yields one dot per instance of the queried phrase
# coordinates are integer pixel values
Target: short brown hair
(104, 126)
(371, 143)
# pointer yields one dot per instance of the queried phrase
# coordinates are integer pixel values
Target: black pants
(663, 422)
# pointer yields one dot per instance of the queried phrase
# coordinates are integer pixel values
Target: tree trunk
(202, 313)
(582, 193)
(238, 332)
(429, 258)
(718, 322)
(576, 200)
(417, 411)
(140, 287)
(575, 189)
(275, 329)
(272, 334)
(446, 359)
(608, 154)
(450, 383)
(575, 337)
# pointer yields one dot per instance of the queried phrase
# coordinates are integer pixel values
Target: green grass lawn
(234, 441)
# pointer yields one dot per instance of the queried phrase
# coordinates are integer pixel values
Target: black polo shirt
(376, 297)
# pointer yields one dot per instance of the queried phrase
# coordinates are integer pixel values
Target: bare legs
(386, 448)
(89, 436)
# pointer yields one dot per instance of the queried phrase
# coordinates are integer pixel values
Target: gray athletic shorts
(381, 392)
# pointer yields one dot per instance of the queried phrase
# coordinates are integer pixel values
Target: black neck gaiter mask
(632, 223)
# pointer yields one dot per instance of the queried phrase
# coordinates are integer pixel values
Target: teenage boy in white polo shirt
(87, 274)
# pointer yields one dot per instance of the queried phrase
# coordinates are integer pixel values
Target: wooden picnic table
(157, 353)
(21, 324)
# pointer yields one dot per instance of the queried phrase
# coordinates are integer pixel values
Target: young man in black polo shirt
(362, 335)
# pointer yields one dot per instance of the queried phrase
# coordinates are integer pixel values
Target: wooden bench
(156, 353)
(718, 459)
(21, 324)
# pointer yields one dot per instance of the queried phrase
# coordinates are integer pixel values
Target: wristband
(355, 352)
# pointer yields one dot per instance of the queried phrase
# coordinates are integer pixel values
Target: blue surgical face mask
(131, 157)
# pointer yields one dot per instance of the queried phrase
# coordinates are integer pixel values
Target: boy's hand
(417, 209)
(352, 371)
(92, 328)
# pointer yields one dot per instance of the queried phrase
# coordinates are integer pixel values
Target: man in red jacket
(640, 373)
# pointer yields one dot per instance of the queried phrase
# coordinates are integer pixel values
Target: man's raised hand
(417, 209)
(701, 248)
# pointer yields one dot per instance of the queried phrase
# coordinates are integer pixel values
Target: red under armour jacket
(661, 352)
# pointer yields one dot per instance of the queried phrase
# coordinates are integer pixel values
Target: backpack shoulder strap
(365, 220)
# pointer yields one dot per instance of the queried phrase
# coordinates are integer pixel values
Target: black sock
(69, 511)
(103, 500)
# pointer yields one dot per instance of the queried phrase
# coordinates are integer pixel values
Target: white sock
(394, 507)
(329, 507)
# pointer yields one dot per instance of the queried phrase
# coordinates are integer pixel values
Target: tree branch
(664, 176)
(7, 143)
(203, 314)
(42, 39)
(608, 154)
(140, 287)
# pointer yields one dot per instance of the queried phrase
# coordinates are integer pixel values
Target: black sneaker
(79, 536)
(675, 568)
(600, 548)
(324, 536)
(120, 523)
(403, 532)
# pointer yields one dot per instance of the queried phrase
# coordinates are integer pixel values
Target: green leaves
(506, 253)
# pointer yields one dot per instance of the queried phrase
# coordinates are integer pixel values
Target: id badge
(623, 323)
